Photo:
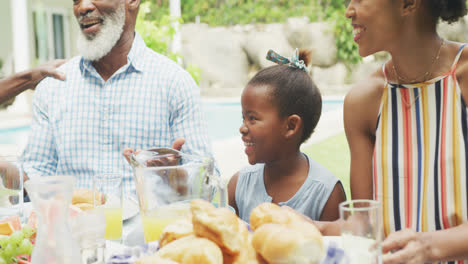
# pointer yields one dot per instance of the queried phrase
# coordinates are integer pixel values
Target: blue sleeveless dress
(309, 200)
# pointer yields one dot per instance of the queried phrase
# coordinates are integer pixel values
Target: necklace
(423, 77)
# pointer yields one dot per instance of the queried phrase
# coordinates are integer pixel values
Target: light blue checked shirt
(81, 126)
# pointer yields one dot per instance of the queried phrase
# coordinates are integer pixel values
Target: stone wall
(230, 56)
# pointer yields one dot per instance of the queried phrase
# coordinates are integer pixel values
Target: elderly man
(118, 94)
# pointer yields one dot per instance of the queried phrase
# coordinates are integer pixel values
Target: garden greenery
(158, 33)
(231, 12)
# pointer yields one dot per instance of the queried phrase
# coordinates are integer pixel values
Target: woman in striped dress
(407, 128)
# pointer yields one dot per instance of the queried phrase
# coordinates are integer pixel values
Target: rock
(457, 31)
(334, 75)
(219, 54)
(365, 68)
(317, 36)
(259, 41)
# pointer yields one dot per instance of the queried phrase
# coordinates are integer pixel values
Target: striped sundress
(420, 160)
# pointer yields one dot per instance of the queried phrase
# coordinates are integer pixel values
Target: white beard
(94, 47)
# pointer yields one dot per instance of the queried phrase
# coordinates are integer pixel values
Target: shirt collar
(134, 59)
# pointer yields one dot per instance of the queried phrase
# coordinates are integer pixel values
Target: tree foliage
(231, 12)
(158, 34)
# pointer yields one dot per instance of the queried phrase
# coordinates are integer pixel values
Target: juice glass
(166, 189)
(11, 187)
(108, 197)
(361, 231)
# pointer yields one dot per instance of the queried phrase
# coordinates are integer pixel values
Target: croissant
(272, 213)
(280, 244)
(219, 225)
(178, 229)
(192, 250)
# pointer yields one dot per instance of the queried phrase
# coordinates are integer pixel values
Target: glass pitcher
(165, 184)
(51, 198)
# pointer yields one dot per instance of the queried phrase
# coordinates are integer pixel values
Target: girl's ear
(410, 6)
(293, 125)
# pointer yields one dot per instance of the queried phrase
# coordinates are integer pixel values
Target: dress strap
(384, 70)
(459, 52)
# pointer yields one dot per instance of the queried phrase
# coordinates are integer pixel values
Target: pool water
(224, 120)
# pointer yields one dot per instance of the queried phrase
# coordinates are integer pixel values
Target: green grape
(16, 237)
(2, 261)
(4, 241)
(9, 252)
(28, 231)
(26, 247)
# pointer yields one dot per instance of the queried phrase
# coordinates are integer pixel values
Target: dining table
(133, 246)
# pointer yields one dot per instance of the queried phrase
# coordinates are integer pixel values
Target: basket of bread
(217, 236)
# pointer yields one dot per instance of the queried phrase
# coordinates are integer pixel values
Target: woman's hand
(48, 69)
(408, 246)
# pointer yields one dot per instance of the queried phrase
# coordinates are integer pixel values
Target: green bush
(347, 49)
(158, 34)
(231, 12)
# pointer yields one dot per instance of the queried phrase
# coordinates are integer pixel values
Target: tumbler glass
(361, 231)
(108, 197)
(11, 187)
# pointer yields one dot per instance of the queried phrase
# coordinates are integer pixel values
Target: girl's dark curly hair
(447, 10)
(293, 92)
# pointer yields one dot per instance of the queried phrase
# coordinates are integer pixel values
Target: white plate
(130, 208)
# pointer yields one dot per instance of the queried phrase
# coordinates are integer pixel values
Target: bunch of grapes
(18, 243)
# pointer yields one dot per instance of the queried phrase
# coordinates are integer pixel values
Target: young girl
(281, 107)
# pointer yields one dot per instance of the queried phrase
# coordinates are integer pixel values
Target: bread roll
(271, 213)
(84, 206)
(178, 229)
(192, 250)
(280, 244)
(219, 225)
(248, 255)
(154, 260)
(86, 196)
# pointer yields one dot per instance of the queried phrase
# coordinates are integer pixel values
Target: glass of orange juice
(166, 187)
(108, 197)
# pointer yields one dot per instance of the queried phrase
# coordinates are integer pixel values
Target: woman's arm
(17, 83)
(361, 109)
(331, 211)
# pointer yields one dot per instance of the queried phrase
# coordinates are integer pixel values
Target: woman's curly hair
(447, 10)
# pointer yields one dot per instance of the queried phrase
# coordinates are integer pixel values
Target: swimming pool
(227, 113)
(230, 116)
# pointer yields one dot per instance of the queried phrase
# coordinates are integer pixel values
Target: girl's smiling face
(262, 128)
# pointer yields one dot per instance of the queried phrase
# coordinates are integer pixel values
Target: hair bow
(292, 62)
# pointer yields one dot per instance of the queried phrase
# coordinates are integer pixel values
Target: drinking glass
(11, 187)
(51, 197)
(108, 197)
(88, 228)
(165, 190)
(361, 231)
